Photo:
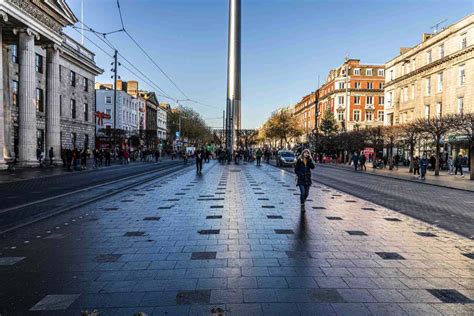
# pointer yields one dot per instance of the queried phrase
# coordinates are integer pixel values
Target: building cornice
(432, 65)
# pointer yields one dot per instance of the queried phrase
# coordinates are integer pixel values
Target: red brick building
(363, 86)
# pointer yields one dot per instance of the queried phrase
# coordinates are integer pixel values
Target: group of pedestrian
(73, 158)
(359, 161)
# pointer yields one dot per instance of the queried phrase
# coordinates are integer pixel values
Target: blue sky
(286, 44)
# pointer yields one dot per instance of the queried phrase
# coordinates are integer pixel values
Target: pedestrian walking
(199, 159)
(423, 166)
(355, 160)
(303, 167)
(107, 157)
(51, 156)
(450, 165)
(83, 158)
(458, 165)
(126, 156)
(185, 156)
(258, 155)
(362, 161)
(39, 156)
(416, 166)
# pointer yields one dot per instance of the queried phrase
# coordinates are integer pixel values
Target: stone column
(3, 165)
(27, 107)
(53, 119)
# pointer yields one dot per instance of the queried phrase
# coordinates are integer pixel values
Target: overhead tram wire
(154, 62)
(104, 39)
(146, 80)
(147, 55)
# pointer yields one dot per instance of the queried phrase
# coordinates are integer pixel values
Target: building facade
(354, 93)
(151, 118)
(305, 113)
(127, 115)
(434, 78)
(46, 83)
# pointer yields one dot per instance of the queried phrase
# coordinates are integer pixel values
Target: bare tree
(410, 134)
(374, 138)
(391, 135)
(437, 128)
(464, 127)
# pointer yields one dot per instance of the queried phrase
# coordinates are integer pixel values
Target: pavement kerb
(399, 178)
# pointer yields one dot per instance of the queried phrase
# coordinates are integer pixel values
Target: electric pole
(115, 89)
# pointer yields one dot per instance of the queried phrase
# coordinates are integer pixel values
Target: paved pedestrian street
(234, 242)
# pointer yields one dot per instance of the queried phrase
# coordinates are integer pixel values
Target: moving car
(285, 158)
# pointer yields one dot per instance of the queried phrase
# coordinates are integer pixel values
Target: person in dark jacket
(458, 165)
(199, 159)
(355, 160)
(51, 156)
(303, 167)
(423, 166)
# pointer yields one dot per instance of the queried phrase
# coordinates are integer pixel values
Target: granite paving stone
(226, 247)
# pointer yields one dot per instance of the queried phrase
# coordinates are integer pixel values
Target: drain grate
(268, 206)
(213, 216)
(209, 231)
(469, 255)
(284, 231)
(152, 218)
(334, 218)
(426, 234)
(390, 255)
(368, 209)
(204, 255)
(392, 219)
(112, 209)
(274, 216)
(126, 201)
(193, 297)
(449, 296)
(217, 206)
(107, 258)
(165, 207)
(319, 208)
(356, 233)
(134, 234)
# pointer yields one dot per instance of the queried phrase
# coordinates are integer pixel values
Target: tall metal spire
(233, 117)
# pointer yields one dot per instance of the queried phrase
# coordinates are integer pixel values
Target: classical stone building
(46, 82)
(434, 78)
(353, 92)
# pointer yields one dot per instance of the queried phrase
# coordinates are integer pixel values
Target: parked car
(285, 158)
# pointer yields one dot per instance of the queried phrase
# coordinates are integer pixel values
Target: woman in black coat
(303, 167)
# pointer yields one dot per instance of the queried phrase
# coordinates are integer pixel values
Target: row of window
(410, 65)
(39, 67)
(39, 102)
(40, 140)
(369, 72)
(358, 85)
(369, 100)
(440, 48)
(406, 95)
(439, 108)
(356, 116)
